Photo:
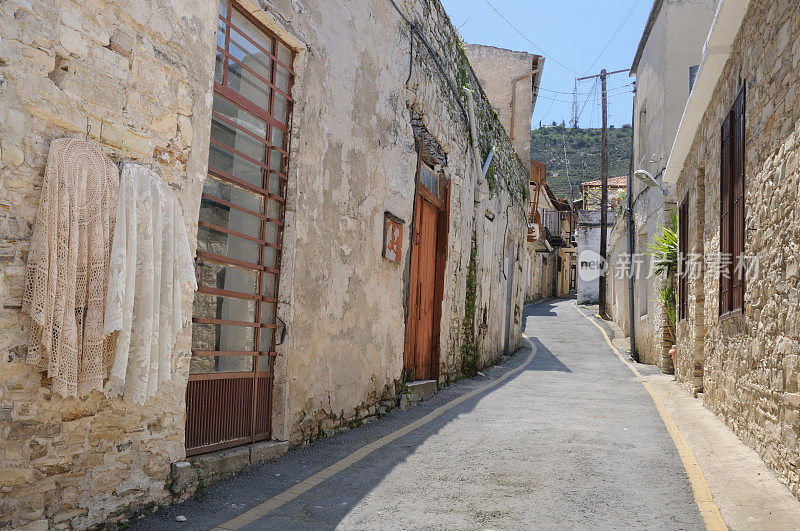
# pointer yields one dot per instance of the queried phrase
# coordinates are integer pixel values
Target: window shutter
(737, 203)
(683, 249)
(724, 217)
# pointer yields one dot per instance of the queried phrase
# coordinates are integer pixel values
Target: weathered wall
(750, 362)
(144, 65)
(345, 304)
(496, 68)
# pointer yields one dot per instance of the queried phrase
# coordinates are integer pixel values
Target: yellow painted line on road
(702, 493)
(264, 508)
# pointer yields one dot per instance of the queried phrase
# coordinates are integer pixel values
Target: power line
(614, 35)
(547, 55)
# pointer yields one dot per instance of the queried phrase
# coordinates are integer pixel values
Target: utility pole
(603, 192)
(604, 184)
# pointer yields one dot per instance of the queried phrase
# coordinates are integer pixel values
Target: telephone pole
(603, 192)
(604, 184)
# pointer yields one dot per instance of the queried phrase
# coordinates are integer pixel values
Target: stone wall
(749, 363)
(145, 67)
(496, 68)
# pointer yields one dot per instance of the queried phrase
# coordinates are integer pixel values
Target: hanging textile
(65, 285)
(150, 261)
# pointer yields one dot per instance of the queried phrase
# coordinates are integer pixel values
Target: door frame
(421, 193)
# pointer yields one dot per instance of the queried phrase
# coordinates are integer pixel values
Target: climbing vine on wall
(469, 345)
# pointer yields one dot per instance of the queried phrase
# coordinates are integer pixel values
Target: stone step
(415, 392)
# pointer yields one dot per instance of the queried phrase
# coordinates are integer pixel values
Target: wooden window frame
(732, 211)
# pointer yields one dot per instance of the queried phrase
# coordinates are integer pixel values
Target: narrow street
(567, 437)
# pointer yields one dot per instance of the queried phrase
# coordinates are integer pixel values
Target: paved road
(572, 440)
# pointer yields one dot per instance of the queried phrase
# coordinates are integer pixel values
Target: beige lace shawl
(65, 287)
(150, 262)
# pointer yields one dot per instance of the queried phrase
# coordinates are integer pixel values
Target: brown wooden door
(426, 274)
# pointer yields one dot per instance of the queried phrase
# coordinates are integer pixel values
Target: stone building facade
(668, 52)
(746, 362)
(364, 100)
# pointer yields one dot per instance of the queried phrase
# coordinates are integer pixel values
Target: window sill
(731, 314)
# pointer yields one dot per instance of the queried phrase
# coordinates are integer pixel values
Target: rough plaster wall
(751, 365)
(496, 68)
(588, 292)
(345, 305)
(618, 303)
(78, 461)
(662, 87)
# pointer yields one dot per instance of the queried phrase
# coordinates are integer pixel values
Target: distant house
(591, 193)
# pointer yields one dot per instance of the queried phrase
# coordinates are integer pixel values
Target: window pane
(273, 209)
(265, 342)
(249, 29)
(268, 285)
(223, 160)
(223, 8)
(282, 78)
(234, 194)
(270, 257)
(224, 276)
(249, 54)
(263, 363)
(221, 25)
(229, 218)
(281, 109)
(211, 364)
(210, 337)
(214, 241)
(240, 116)
(284, 55)
(247, 84)
(271, 234)
(278, 138)
(225, 308)
(429, 180)
(237, 139)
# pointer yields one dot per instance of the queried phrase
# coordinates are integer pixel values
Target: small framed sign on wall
(392, 237)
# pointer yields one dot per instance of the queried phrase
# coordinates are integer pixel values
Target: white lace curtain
(150, 261)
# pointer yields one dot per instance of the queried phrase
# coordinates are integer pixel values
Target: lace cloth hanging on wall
(65, 285)
(150, 261)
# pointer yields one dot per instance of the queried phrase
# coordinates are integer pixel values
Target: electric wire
(547, 55)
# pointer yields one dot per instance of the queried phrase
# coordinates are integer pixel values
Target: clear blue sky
(570, 32)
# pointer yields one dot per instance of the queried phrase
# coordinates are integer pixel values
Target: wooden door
(426, 275)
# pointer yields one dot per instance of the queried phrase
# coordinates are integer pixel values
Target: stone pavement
(568, 438)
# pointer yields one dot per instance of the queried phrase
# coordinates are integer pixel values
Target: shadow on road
(545, 360)
(327, 504)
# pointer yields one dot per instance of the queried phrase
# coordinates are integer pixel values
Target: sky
(577, 37)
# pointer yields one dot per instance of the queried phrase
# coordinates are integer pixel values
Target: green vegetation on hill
(583, 154)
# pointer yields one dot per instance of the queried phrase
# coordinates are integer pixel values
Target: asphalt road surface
(571, 440)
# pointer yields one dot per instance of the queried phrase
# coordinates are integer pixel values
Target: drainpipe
(629, 210)
(472, 131)
(514, 97)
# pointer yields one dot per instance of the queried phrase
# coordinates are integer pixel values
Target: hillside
(583, 147)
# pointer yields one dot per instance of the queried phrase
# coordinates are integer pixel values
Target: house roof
(614, 182)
